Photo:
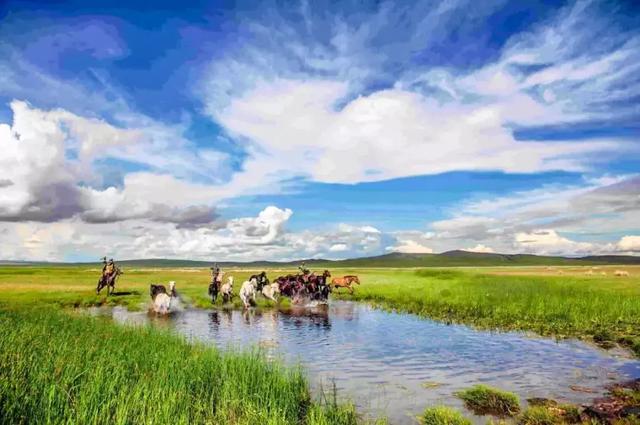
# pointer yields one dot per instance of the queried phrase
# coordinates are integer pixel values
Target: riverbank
(577, 302)
(59, 368)
(559, 303)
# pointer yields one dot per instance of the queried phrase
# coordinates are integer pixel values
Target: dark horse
(318, 288)
(289, 285)
(109, 281)
(156, 289)
(303, 285)
(213, 291)
(262, 280)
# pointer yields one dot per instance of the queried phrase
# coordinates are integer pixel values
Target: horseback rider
(216, 274)
(104, 265)
(110, 268)
(305, 272)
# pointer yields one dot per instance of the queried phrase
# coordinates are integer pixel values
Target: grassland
(562, 302)
(57, 368)
(74, 286)
(62, 367)
(557, 301)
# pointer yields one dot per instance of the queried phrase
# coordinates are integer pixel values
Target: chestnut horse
(345, 282)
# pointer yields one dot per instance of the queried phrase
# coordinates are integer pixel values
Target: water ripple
(381, 360)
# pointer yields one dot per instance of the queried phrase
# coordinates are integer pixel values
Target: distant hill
(456, 258)
(460, 258)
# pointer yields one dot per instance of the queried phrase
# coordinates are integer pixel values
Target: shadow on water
(397, 364)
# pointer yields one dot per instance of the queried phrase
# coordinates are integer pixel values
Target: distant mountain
(461, 258)
(456, 258)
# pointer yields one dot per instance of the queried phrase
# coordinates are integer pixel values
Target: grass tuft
(539, 415)
(483, 400)
(443, 415)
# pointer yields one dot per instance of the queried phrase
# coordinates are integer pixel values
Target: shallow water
(395, 365)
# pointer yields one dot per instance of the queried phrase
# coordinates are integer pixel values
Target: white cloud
(410, 247)
(338, 247)
(49, 159)
(41, 179)
(263, 236)
(595, 210)
(549, 242)
(480, 248)
(629, 243)
(400, 132)
(305, 107)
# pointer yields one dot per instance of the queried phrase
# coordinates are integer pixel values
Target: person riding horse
(216, 282)
(109, 268)
(305, 273)
(109, 274)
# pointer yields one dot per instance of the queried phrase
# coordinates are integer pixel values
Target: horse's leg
(350, 289)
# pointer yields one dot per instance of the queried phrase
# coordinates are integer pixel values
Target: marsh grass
(443, 415)
(485, 400)
(603, 307)
(539, 415)
(59, 368)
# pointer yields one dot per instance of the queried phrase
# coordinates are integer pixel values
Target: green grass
(74, 286)
(484, 400)
(533, 299)
(605, 308)
(59, 368)
(539, 415)
(443, 415)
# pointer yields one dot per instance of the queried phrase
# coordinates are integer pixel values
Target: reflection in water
(382, 360)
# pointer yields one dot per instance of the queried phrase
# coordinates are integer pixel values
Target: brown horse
(345, 282)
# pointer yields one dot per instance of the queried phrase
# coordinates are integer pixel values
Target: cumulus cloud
(35, 160)
(629, 243)
(403, 133)
(549, 242)
(264, 236)
(411, 241)
(534, 220)
(481, 248)
(48, 161)
(410, 247)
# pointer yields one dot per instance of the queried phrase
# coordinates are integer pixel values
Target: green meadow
(559, 302)
(56, 365)
(551, 301)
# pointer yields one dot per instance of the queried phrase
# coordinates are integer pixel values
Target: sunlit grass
(484, 400)
(534, 299)
(59, 368)
(607, 307)
(443, 415)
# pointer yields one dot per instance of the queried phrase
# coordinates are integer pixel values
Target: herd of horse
(300, 287)
(305, 286)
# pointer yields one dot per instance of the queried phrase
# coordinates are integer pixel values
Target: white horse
(271, 291)
(248, 292)
(161, 299)
(227, 290)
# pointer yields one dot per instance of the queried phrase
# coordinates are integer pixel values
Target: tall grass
(548, 305)
(59, 368)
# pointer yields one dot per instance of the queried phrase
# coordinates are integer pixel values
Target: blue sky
(280, 130)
